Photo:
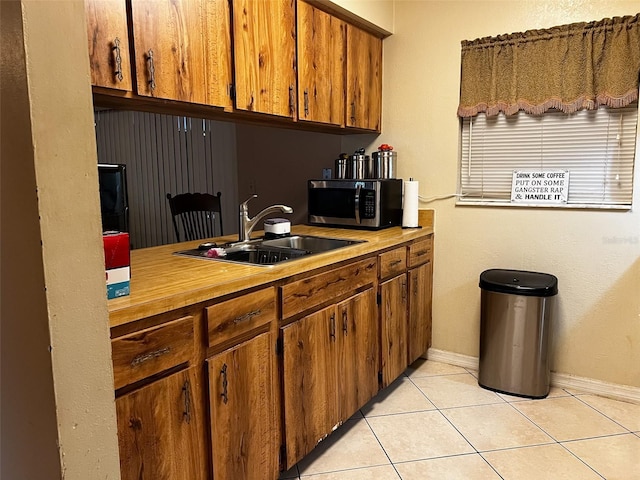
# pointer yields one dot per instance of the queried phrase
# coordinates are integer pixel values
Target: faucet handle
(243, 205)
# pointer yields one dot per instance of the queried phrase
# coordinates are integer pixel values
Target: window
(596, 147)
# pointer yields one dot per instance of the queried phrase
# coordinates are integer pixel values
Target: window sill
(563, 206)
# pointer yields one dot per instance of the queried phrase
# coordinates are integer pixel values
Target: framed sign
(540, 186)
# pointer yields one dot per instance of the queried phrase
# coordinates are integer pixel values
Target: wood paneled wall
(168, 154)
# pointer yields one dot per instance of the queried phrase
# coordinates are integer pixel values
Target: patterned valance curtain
(568, 68)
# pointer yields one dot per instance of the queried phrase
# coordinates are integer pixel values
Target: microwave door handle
(357, 203)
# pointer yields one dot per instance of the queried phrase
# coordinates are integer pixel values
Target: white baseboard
(452, 358)
(561, 380)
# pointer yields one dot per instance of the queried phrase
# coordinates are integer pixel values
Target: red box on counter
(117, 263)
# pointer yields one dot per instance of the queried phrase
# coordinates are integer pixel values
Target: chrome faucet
(247, 224)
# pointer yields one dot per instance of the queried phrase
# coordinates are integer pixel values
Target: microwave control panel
(369, 207)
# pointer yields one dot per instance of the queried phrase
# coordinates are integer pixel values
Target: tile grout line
(581, 460)
(512, 403)
(601, 413)
(477, 452)
(555, 440)
(454, 427)
(505, 401)
(381, 446)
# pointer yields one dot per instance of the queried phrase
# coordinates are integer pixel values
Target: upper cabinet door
(364, 79)
(218, 53)
(108, 43)
(321, 66)
(169, 49)
(264, 54)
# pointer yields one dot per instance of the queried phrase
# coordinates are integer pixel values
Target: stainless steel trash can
(515, 322)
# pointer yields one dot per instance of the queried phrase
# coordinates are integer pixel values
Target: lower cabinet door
(310, 385)
(393, 311)
(419, 311)
(244, 411)
(161, 430)
(359, 360)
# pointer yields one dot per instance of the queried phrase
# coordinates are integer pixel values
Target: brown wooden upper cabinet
(321, 63)
(364, 79)
(310, 66)
(265, 56)
(108, 43)
(176, 46)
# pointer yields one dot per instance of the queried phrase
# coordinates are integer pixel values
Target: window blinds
(597, 147)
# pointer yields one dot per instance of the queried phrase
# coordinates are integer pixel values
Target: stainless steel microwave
(369, 203)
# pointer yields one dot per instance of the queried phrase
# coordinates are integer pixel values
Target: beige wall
(378, 12)
(58, 413)
(594, 254)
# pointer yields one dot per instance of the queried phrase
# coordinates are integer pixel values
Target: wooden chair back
(197, 214)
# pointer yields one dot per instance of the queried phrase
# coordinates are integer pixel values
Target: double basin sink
(268, 251)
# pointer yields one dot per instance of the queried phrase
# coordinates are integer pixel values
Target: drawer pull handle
(247, 316)
(306, 102)
(225, 383)
(421, 252)
(404, 291)
(118, 69)
(332, 327)
(186, 392)
(345, 322)
(395, 262)
(152, 70)
(140, 359)
(291, 100)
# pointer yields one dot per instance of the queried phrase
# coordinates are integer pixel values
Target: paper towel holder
(410, 208)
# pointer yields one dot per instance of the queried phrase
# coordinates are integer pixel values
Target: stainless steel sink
(309, 243)
(269, 252)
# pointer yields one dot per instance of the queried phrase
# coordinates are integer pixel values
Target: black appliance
(114, 204)
(369, 203)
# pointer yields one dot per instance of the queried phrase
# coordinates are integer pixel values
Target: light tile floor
(435, 422)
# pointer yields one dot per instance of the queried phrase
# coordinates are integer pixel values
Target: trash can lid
(519, 282)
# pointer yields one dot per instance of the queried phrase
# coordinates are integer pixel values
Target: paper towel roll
(410, 204)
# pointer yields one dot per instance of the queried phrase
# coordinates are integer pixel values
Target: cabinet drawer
(318, 289)
(239, 315)
(145, 353)
(393, 263)
(420, 252)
